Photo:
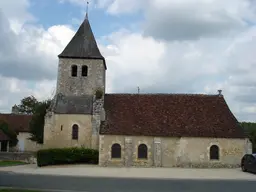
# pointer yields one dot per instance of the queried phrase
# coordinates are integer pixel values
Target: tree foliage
(27, 105)
(10, 133)
(250, 129)
(30, 105)
(36, 125)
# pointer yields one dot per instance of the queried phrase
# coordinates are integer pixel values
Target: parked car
(248, 163)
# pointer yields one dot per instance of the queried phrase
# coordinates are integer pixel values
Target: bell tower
(81, 69)
(80, 91)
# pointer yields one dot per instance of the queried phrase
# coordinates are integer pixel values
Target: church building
(161, 130)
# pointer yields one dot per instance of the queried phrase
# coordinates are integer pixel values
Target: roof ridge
(17, 114)
(178, 94)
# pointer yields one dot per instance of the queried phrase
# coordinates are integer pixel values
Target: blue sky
(49, 13)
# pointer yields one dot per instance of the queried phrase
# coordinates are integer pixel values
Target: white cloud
(44, 89)
(208, 46)
(122, 6)
(28, 62)
(14, 90)
(201, 66)
(132, 61)
(31, 53)
(16, 12)
(199, 61)
(187, 19)
(77, 2)
(112, 6)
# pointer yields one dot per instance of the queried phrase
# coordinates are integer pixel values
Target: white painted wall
(24, 144)
(21, 144)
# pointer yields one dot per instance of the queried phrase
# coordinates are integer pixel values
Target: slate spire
(83, 45)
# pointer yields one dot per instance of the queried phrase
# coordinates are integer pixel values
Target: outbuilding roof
(17, 122)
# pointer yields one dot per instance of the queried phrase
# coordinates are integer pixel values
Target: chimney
(220, 92)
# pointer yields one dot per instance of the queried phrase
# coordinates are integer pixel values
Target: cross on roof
(87, 5)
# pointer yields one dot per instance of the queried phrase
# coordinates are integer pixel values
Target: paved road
(90, 184)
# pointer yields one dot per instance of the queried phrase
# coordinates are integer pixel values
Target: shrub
(67, 156)
(98, 93)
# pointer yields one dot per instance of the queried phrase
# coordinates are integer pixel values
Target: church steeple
(82, 68)
(83, 45)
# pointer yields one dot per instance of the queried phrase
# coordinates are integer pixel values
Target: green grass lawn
(11, 163)
(15, 190)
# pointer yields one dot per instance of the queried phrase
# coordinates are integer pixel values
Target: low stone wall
(28, 157)
(207, 165)
(188, 165)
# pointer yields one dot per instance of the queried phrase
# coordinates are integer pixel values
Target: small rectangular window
(84, 70)
(74, 71)
(61, 127)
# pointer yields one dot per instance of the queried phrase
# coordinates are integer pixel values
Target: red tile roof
(3, 137)
(17, 122)
(173, 115)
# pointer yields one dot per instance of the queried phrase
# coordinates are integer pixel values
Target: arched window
(74, 70)
(116, 151)
(142, 151)
(75, 132)
(84, 70)
(214, 152)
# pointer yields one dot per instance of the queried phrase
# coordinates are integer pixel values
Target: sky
(162, 46)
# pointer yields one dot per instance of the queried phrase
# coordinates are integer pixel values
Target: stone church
(161, 130)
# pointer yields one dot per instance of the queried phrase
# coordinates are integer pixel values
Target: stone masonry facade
(173, 152)
(75, 106)
(97, 116)
(59, 133)
(58, 127)
(78, 86)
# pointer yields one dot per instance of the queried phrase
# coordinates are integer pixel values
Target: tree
(27, 105)
(36, 125)
(10, 133)
(250, 129)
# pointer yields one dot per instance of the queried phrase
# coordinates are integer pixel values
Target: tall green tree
(36, 125)
(27, 105)
(250, 129)
(30, 105)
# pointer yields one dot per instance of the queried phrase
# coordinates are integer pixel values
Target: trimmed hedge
(67, 156)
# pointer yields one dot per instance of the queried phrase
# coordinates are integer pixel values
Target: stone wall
(80, 85)
(173, 152)
(129, 147)
(26, 145)
(27, 157)
(97, 116)
(60, 134)
(49, 126)
(68, 85)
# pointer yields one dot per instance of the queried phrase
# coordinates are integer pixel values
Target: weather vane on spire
(86, 16)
